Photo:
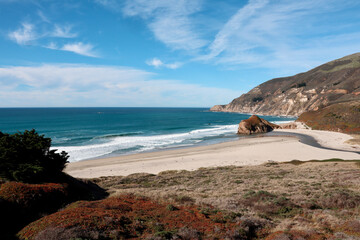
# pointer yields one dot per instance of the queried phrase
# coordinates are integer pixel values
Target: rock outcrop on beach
(333, 82)
(255, 125)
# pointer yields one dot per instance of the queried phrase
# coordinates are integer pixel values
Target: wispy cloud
(27, 34)
(157, 63)
(43, 17)
(24, 35)
(170, 21)
(86, 85)
(269, 34)
(233, 29)
(80, 48)
(51, 45)
(279, 34)
(63, 32)
(110, 4)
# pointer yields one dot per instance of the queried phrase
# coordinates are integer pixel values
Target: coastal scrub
(26, 157)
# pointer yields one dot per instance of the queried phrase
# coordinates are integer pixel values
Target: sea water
(87, 133)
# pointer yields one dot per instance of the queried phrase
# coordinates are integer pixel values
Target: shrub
(299, 85)
(257, 99)
(289, 235)
(342, 199)
(128, 216)
(352, 228)
(26, 157)
(66, 234)
(33, 195)
(269, 205)
(22, 203)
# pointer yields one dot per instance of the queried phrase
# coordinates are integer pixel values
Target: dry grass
(294, 196)
(355, 140)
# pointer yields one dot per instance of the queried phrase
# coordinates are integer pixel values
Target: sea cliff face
(333, 82)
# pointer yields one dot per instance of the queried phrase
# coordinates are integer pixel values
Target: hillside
(274, 201)
(343, 117)
(333, 82)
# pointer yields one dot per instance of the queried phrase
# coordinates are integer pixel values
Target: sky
(163, 53)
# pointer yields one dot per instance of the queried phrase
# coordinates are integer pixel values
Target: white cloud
(43, 17)
(233, 28)
(63, 32)
(80, 48)
(51, 45)
(24, 35)
(169, 20)
(289, 36)
(111, 4)
(157, 63)
(85, 85)
(282, 34)
(27, 34)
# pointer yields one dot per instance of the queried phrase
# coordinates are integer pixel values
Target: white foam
(144, 143)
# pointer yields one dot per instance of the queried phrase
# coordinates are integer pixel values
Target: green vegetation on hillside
(26, 157)
(351, 61)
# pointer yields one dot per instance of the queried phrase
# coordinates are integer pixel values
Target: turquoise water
(100, 132)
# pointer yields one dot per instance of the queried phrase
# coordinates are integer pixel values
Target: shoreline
(241, 152)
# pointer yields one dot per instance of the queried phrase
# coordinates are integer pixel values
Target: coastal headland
(262, 148)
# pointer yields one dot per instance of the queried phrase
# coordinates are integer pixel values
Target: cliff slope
(342, 117)
(333, 82)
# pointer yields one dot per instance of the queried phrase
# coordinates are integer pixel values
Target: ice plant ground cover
(129, 216)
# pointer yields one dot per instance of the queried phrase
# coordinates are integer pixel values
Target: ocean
(87, 133)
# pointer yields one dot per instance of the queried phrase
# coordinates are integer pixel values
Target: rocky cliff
(333, 82)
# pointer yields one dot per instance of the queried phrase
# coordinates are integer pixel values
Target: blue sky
(164, 53)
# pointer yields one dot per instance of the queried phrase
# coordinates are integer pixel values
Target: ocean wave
(281, 122)
(130, 144)
(118, 135)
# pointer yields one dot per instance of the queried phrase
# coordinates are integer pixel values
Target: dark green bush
(257, 99)
(299, 85)
(26, 157)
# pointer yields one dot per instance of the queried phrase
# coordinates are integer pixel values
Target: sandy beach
(245, 151)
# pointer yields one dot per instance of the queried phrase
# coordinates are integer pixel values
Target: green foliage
(171, 207)
(257, 99)
(299, 85)
(26, 157)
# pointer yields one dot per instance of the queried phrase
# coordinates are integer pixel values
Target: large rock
(255, 125)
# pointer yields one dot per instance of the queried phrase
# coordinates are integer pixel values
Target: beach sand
(245, 151)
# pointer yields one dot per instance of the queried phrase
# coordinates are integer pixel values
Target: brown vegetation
(295, 200)
(131, 217)
(274, 201)
(22, 203)
(342, 117)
